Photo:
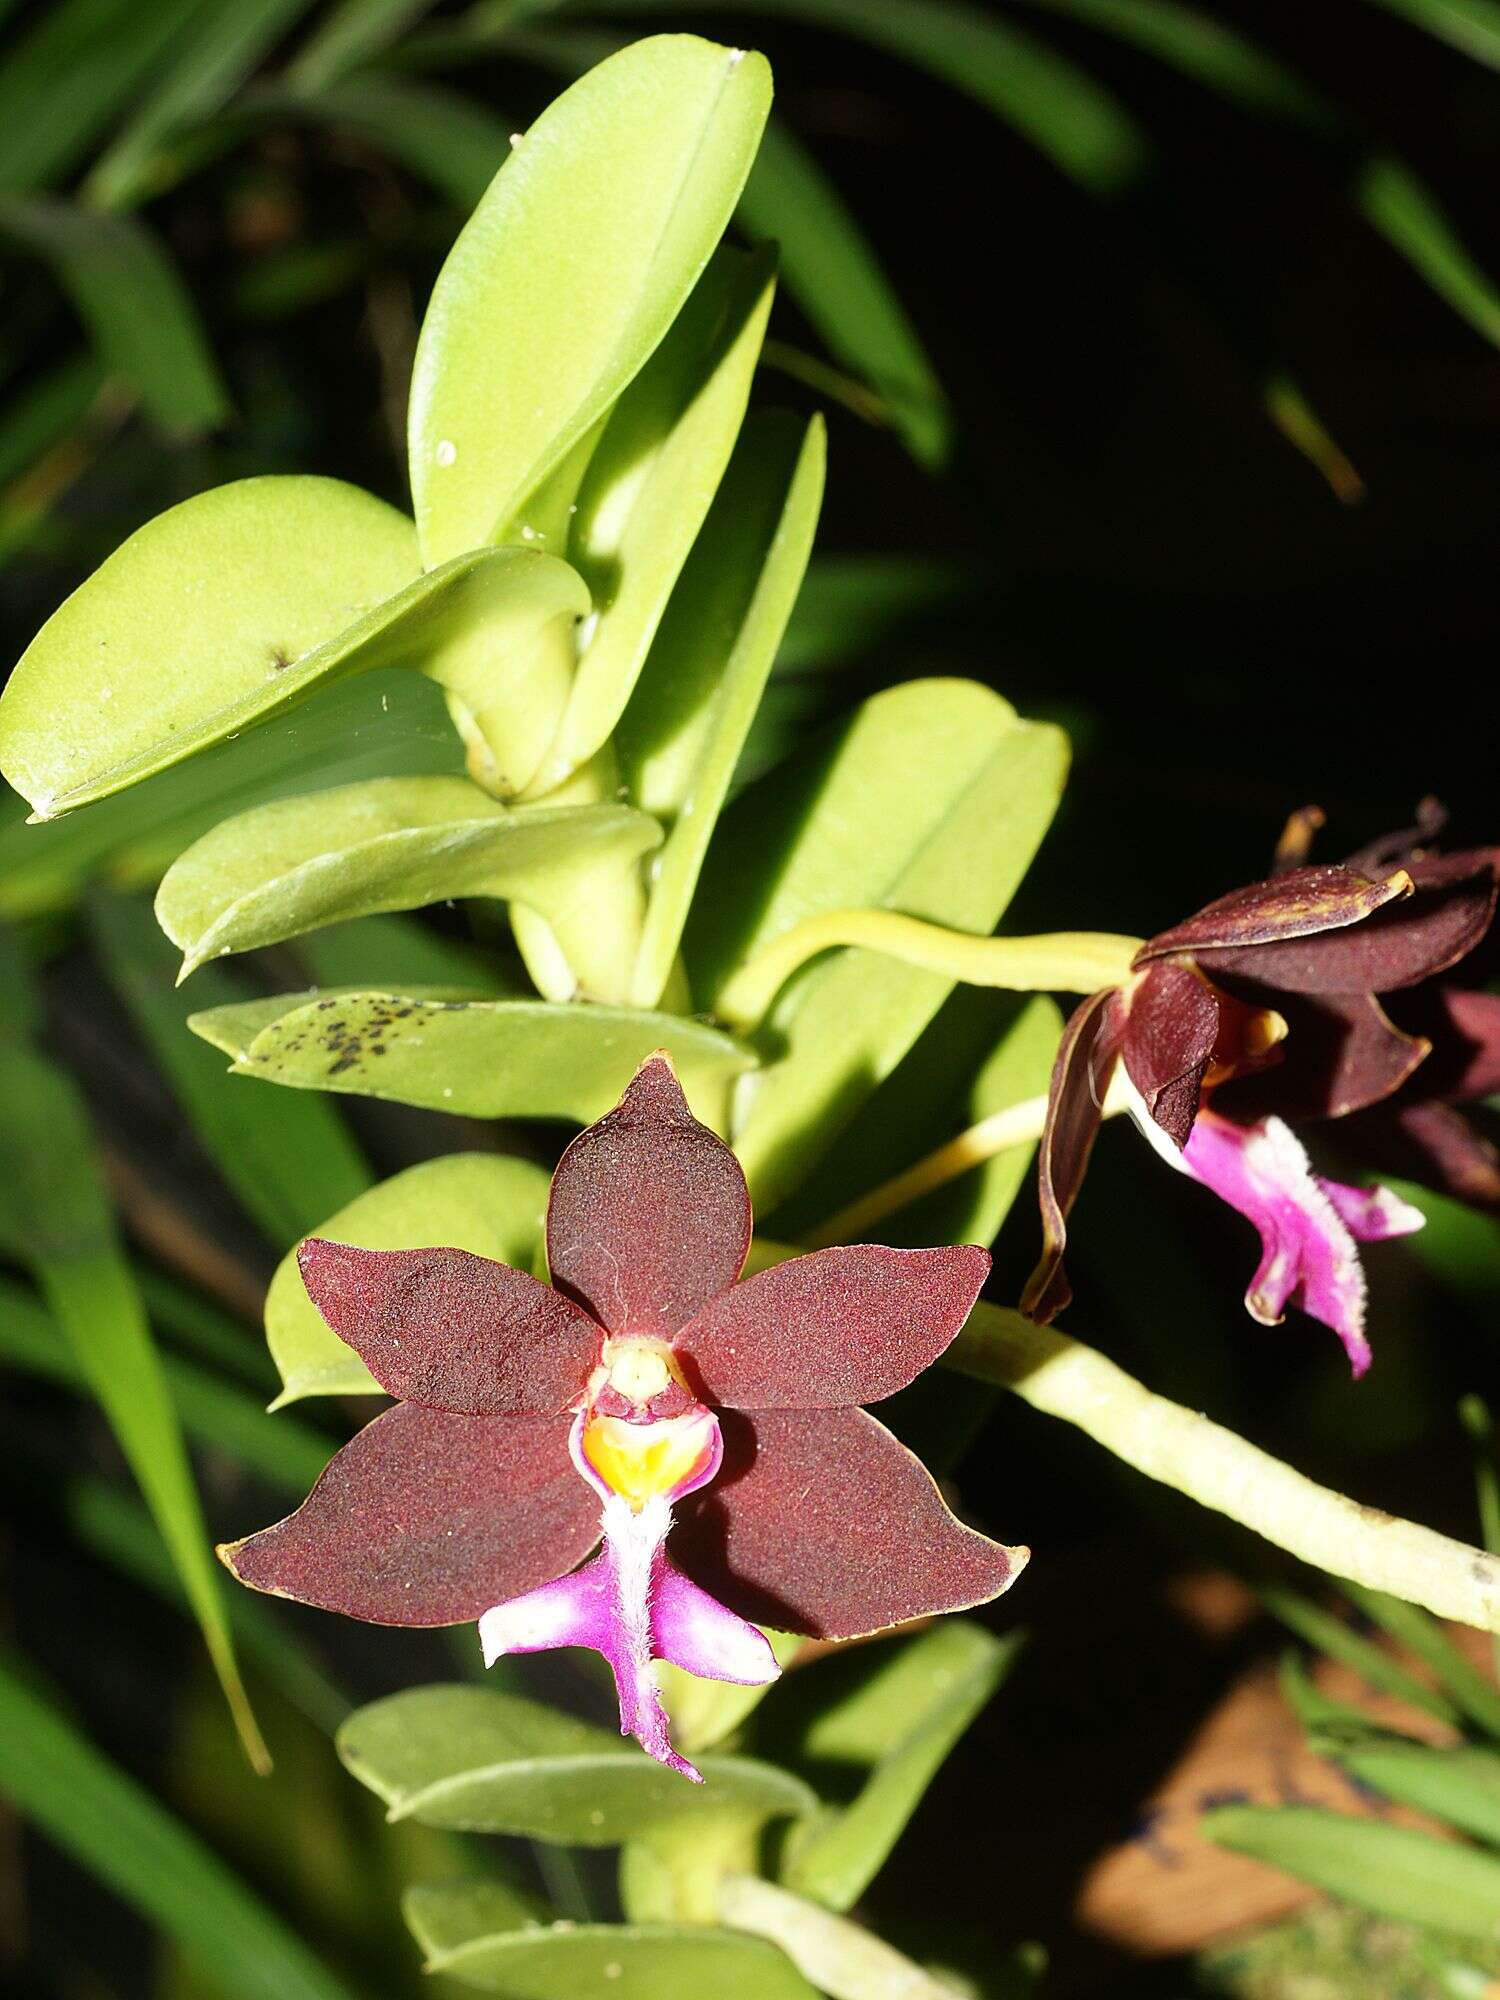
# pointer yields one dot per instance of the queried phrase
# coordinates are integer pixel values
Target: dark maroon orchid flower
(645, 1391)
(1269, 1000)
(1396, 1069)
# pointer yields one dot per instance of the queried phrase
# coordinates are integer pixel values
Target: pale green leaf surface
(481, 1760)
(900, 1716)
(139, 313)
(287, 1158)
(484, 1202)
(110, 1824)
(625, 1961)
(220, 611)
(387, 723)
(568, 274)
(389, 844)
(1392, 1870)
(481, 1058)
(830, 269)
(233, 1028)
(442, 1916)
(404, 953)
(932, 801)
(681, 737)
(649, 483)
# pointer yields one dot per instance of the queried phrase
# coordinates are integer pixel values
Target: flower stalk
(1220, 1470)
(1053, 962)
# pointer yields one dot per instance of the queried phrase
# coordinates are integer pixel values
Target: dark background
(1146, 559)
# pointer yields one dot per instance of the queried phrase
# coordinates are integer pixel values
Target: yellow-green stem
(1056, 962)
(1221, 1470)
(1017, 1125)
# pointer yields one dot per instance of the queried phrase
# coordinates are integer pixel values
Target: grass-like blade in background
(140, 315)
(97, 1813)
(289, 1157)
(55, 1219)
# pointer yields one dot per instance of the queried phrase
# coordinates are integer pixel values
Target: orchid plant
(735, 961)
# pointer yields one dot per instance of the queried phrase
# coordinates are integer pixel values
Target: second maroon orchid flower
(1305, 959)
(645, 1394)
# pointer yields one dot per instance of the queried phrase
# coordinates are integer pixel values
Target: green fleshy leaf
(478, 1058)
(286, 1158)
(649, 483)
(140, 315)
(110, 1824)
(234, 606)
(885, 1724)
(384, 724)
(389, 844)
(442, 1916)
(482, 1202)
(569, 273)
(626, 1961)
(478, 1760)
(1412, 1877)
(681, 737)
(410, 955)
(931, 800)
(55, 1219)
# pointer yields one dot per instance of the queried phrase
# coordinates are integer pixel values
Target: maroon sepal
(649, 1216)
(1303, 902)
(1075, 1098)
(821, 1522)
(1169, 1042)
(846, 1325)
(1342, 1053)
(428, 1519)
(451, 1330)
(1442, 921)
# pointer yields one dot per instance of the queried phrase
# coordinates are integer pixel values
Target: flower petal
(425, 1518)
(821, 1522)
(452, 1330)
(1080, 1076)
(1308, 1255)
(630, 1605)
(846, 1325)
(1170, 1034)
(1342, 1051)
(1447, 916)
(649, 1216)
(1372, 1214)
(1302, 902)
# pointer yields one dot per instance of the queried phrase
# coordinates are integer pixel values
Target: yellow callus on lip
(642, 1461)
